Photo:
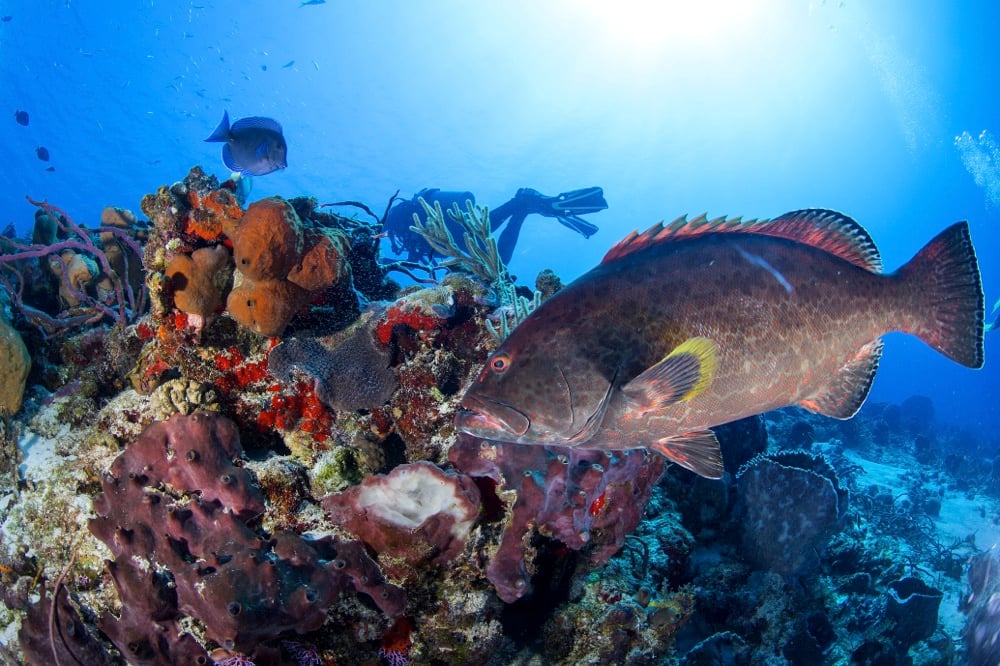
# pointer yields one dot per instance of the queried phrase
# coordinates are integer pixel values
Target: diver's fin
(578, 224)
(698, 451)
(579, 202)
(843, 396)
(566, 207)
(221, 133)
(682, 374)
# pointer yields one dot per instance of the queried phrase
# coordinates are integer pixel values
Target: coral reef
(70, 276)
(358, 526)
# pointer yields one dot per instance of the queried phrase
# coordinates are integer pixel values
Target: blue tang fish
(254, 146)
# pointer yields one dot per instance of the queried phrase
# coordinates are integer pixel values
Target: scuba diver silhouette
(566, 207)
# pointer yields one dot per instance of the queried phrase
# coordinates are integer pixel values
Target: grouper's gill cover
(562, 401)
(697, 323)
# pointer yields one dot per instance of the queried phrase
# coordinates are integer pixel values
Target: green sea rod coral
(479, 257)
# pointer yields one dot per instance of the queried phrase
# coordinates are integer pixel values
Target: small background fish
(254, 146)
(21, 117)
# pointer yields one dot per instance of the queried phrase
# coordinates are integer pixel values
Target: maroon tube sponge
(194, 454)
(582, 498)
(175, 503)
(417, 514)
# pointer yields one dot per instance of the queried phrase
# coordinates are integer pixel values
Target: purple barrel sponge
(790, 502)
(417, 514)
(587, 499)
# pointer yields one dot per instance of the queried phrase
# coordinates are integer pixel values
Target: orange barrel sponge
(201, 280)
(325, 262)
(268, 242)
(267, 306)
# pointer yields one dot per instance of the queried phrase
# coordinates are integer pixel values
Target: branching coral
(81, 265)
(479, 256)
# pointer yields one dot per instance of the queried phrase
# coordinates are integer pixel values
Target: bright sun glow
(647, 28)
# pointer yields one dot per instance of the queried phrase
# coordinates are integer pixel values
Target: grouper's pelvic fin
(949, 307)
(697, 451)
(682, 374)
(844, 395)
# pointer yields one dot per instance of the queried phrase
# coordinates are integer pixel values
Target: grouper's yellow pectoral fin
(698, 451)
(681, 375)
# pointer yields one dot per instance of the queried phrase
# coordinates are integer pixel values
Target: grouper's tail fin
(950, 304)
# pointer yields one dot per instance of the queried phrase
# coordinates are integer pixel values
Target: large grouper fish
(701, 322)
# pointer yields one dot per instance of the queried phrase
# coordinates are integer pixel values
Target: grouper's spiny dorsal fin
(823, 229)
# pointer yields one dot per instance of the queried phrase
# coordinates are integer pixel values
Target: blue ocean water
(890, 114)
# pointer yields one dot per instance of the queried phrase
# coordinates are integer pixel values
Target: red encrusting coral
(236, 371)
(396, 641)
(408, 314)
(212, 215)
(298, 408)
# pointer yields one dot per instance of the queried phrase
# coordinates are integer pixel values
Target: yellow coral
(15, 362)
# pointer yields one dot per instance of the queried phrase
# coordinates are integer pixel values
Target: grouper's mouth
(491, 419)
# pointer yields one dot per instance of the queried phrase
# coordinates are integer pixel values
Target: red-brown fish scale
(758, 322)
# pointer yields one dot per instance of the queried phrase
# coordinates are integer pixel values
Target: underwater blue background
(748, 109)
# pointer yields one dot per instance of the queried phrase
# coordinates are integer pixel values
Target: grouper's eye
(500, 363)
